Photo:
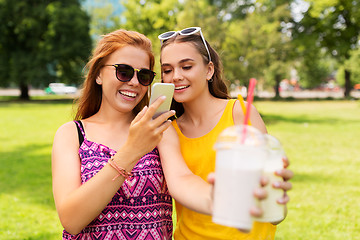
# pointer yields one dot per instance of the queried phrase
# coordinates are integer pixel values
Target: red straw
(249, 99)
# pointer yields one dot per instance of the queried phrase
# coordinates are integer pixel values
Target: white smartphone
(162, 89)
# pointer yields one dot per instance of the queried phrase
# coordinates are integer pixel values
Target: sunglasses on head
(187, 31)
(124, 73)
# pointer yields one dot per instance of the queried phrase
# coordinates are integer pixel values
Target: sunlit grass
(26, 203)
(321, 139)
(322, 142)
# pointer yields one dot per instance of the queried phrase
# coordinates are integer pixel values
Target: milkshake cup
(240, 152)
(273, 211)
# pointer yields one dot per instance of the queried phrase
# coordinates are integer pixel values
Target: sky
(96, 3)
(298, 8)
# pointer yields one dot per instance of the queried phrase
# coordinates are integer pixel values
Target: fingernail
(257, 192)
(276, 184)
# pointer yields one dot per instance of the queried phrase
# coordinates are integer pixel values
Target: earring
(210, 80)
(98, 81)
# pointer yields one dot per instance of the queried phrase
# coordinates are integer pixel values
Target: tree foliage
(260, 45)
(248, 34)
(150, 17)
(42, 41)
(48, 40)
(352, 64)
(104, 18)
(333, 25)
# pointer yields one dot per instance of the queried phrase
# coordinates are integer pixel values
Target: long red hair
(91, 94)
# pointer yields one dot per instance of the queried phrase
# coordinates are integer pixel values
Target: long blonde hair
(91, 94)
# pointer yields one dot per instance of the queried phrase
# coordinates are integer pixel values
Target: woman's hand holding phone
(145, 132)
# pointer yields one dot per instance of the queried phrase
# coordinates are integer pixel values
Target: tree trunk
(277, 85)
(24, 89)
(347, 83)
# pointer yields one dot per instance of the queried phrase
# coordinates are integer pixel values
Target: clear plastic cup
(240, 153)
(273, 211)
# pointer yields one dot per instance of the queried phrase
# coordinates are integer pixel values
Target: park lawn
(320, 138)
(26, 202)
(322, 142)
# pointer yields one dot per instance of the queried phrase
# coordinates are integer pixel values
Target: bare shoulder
(66, 128)
(65, 148)
(66, 133)
(169, 135)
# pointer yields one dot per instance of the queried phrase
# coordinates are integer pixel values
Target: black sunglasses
(124, 73)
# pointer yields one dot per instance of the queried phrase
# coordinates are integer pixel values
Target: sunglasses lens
(167, 35)
(146, 77)
(124, 72)
(188, 30)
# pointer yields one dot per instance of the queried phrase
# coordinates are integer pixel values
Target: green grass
(322, 142)
(321, 139)
(26, 135)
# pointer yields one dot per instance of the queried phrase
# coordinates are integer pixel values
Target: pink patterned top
(141, 208)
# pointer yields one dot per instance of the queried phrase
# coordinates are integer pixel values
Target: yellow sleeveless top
(199, 155)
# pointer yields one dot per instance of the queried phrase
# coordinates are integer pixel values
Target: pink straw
(249, 99)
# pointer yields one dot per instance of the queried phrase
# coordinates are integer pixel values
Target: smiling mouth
(181, 87)
(128, 94)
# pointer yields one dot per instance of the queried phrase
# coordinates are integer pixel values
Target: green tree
(208, 16)
(230, 9)
(104, 18)
(42, 41)
(151, 18)
(260, 45)
(154, 17)
(312, 62)
(314, 68)
(251, 36)
(353, 64)
(333, 25)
